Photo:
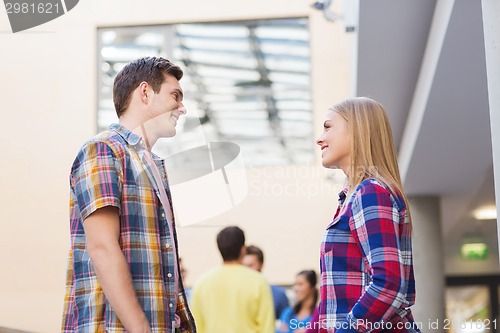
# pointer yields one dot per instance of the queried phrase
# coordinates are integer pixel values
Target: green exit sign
(474, 251)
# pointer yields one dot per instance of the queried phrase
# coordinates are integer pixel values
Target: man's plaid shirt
(110, 170)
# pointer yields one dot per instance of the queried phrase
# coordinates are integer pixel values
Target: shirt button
(163, 215)
(169, 275)
(171, 305)
(167, 246)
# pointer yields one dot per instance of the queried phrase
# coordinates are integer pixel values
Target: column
(491, 26)
(428, 262)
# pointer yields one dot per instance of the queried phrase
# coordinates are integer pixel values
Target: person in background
(232, 298)
(183, 272)
(367, 279)
(254, 259)
(298, 318)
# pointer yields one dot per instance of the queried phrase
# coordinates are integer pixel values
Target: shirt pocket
(337, 236)
(341, 222)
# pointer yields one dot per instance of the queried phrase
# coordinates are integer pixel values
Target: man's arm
(102, 231)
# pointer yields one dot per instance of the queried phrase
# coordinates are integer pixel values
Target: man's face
(251, 261)
(166, 107)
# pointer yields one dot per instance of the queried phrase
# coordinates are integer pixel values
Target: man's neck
(232, 262)
(140, 129)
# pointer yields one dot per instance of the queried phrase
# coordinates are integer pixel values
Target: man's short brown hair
(149, 69)
(255, 251)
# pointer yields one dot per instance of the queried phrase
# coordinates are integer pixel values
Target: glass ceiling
(244, 82)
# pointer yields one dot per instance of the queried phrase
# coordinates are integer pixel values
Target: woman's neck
(305, 308)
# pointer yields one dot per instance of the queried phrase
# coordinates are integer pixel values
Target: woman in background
(296, 319)
(367, 282)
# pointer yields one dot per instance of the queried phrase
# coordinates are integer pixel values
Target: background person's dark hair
(230, 240)
(255, 251)
(312, 279)
(148, 69)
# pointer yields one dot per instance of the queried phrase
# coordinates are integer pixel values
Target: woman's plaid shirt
(366, 263)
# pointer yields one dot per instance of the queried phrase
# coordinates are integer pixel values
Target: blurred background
(260, 74)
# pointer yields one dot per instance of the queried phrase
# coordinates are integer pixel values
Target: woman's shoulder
(287, 314)
(376, 189)
(371, 185)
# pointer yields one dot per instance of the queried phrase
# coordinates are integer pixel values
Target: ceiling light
(486, 213)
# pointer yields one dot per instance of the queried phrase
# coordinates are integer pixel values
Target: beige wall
(48, 110)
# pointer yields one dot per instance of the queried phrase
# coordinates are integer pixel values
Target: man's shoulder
(109, 138)
(208, 276)
(240, 273)
(107, 145)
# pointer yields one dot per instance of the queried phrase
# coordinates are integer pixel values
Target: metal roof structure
(245, 82)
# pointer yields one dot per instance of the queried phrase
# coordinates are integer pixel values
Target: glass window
(245, 82)
(467, 310)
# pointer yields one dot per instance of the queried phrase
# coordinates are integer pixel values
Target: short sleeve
(96, 178)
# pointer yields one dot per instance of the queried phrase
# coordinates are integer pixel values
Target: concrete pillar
(428, 263)
(491, 26)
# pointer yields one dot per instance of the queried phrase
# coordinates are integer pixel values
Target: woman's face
(302, 288)
(335, 142)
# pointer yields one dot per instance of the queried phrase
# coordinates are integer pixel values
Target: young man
(232, 298)
(254, 259)
(123, 271)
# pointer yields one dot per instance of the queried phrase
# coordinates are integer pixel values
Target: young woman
(367, 282)
(295, 320)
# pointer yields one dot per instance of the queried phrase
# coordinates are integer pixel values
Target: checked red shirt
(367, 282)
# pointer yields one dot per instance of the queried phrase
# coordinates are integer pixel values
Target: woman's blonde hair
(373, 154)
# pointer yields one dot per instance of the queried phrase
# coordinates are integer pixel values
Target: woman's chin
(328, 164)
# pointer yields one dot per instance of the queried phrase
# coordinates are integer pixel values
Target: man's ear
(143, 90)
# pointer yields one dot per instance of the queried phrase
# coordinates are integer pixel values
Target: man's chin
(170, 133)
